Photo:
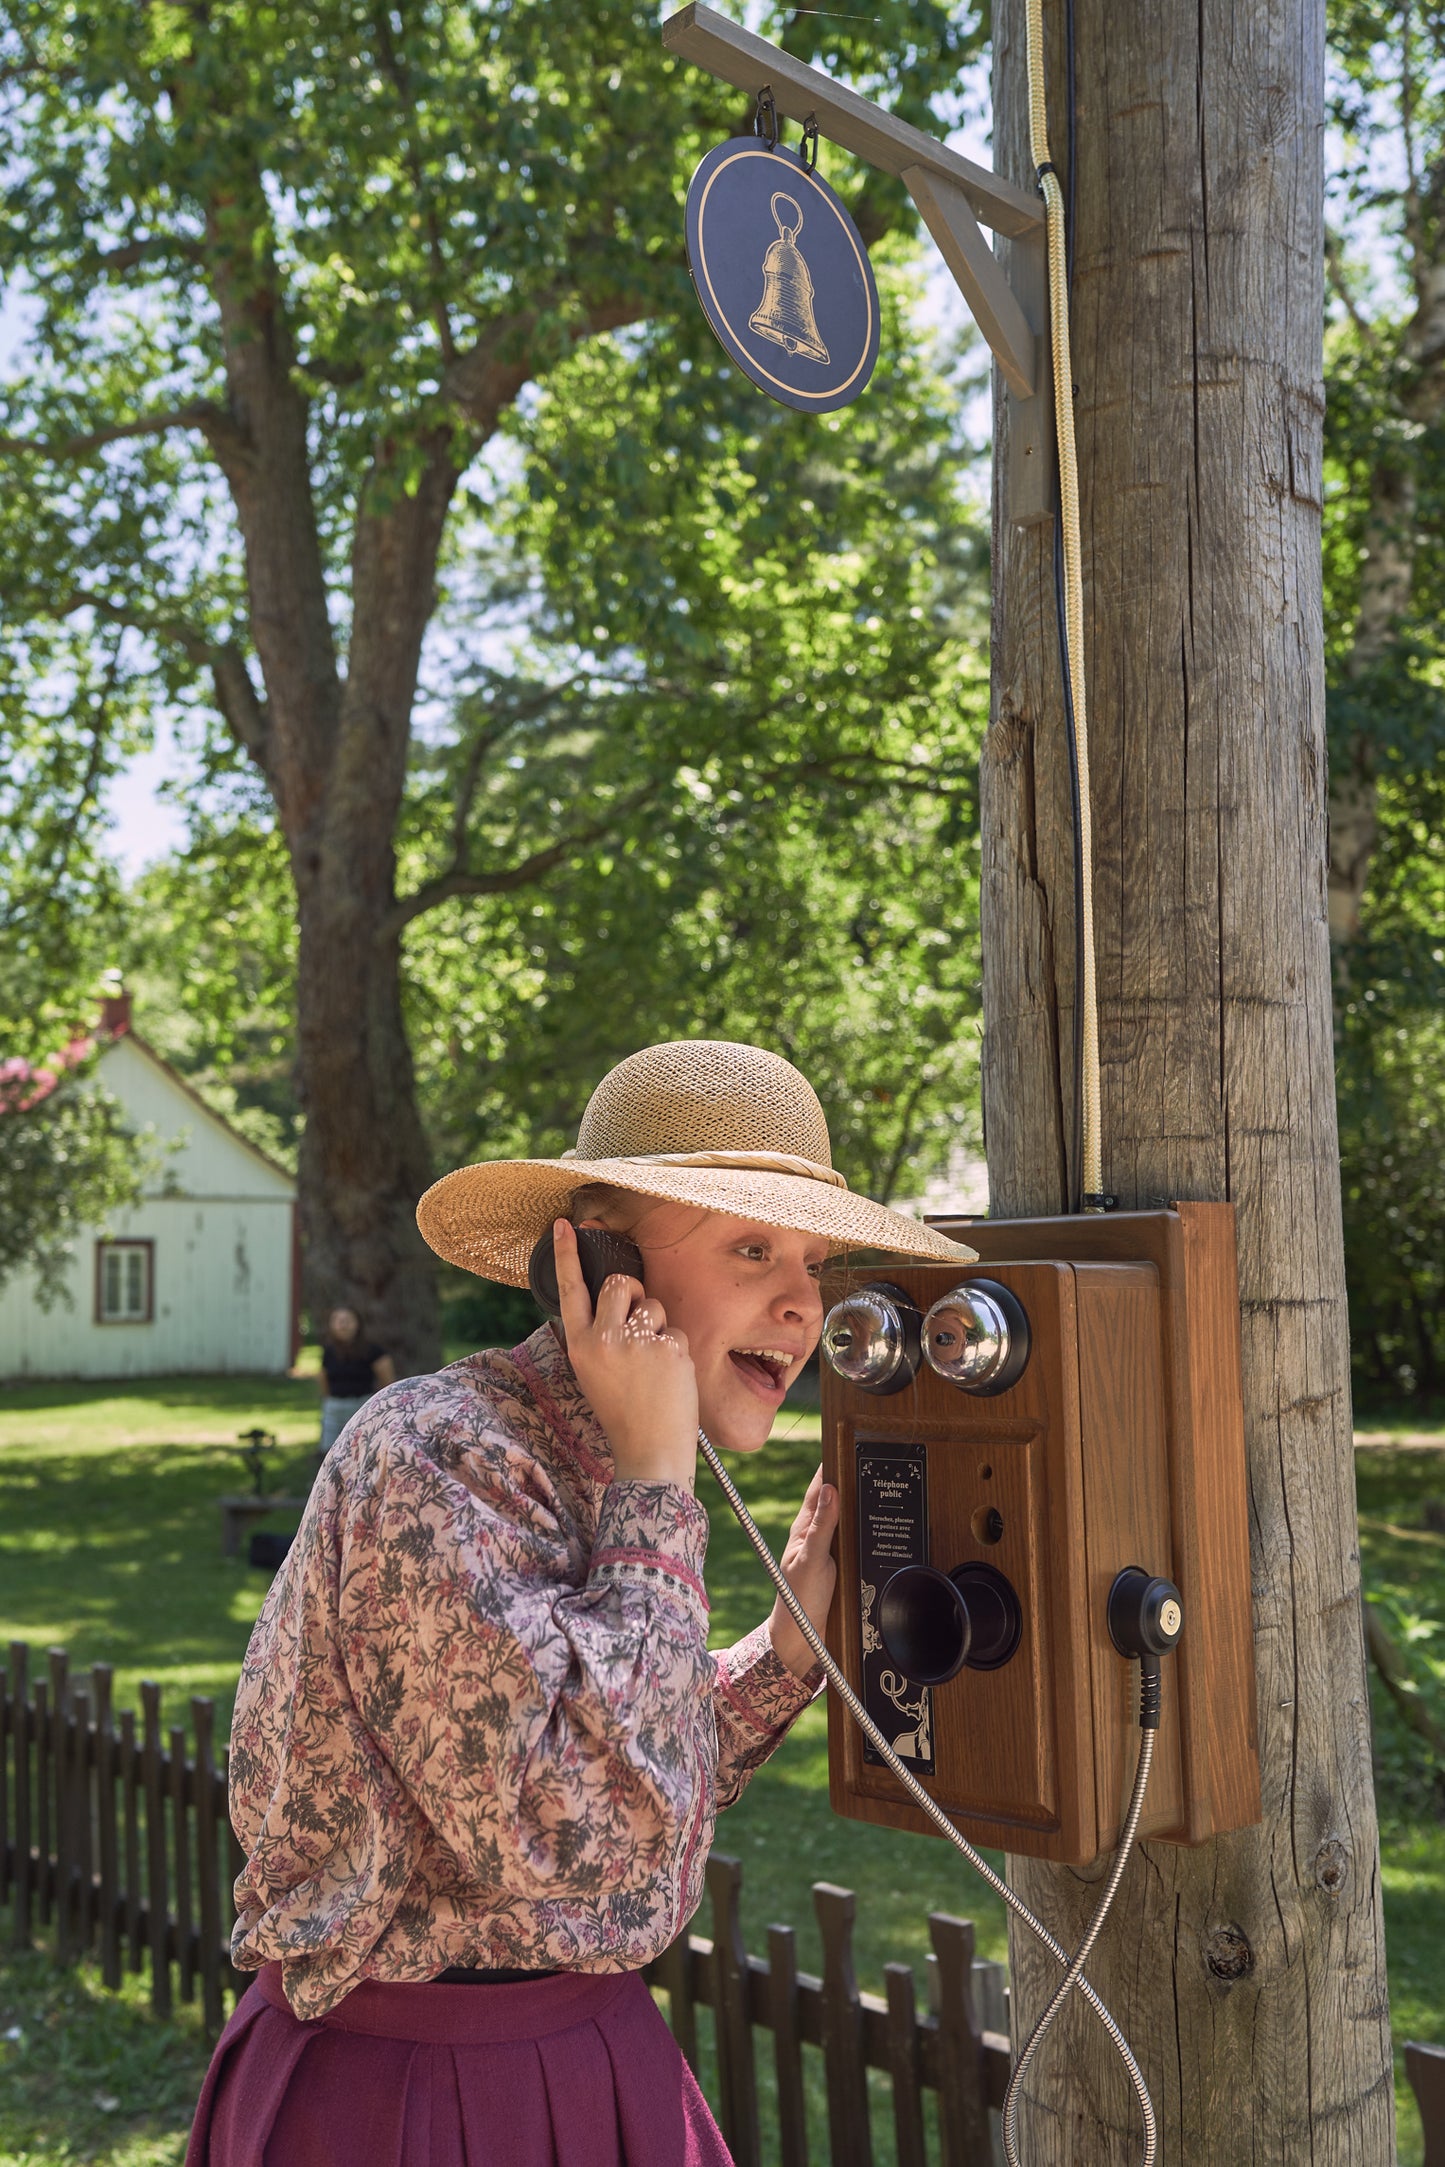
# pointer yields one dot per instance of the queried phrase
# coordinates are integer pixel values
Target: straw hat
(700, 1121)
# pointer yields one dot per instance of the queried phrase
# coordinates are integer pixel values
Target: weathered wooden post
(1250, 1974)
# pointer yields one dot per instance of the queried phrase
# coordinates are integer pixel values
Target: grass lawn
(110, 1546)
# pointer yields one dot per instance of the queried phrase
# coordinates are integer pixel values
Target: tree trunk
(1248, 1973)
(364, 1159)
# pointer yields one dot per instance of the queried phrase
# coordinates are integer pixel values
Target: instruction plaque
(892, 1497)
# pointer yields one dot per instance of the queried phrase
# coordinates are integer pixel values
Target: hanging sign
(782, 274)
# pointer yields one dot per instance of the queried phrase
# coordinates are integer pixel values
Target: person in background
(352, 1368)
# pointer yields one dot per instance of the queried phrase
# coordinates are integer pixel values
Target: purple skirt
(578, 2070)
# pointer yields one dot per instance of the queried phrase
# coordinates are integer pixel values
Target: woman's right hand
(637, 1374)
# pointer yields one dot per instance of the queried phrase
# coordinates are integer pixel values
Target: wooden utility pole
(1249, 1974)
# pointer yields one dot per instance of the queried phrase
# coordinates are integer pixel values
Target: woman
(351, 1370)
(480, 1743)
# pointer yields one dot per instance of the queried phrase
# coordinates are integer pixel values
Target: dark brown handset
(600, 1253)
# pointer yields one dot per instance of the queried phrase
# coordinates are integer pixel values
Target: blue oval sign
(782, 275)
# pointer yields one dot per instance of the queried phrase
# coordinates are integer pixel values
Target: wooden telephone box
(1120, 1444)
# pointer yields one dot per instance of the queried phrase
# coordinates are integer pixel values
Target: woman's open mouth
(765, 1369)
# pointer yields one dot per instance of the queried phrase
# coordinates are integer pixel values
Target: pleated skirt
(578, 2070)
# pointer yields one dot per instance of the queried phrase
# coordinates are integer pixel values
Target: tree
(1385, 433)
(69, 1162)
(795, 720)
(68, 1159)
(291, 268)
(1250, 1974)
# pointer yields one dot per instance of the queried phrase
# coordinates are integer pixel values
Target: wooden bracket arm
(978, 275)
(736, 56)
(953, 194)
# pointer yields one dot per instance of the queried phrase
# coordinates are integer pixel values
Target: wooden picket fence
(114, 1836)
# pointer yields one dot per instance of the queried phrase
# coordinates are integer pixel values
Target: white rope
(1092, 1172)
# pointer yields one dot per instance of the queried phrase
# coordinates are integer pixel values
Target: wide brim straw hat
(699, 1121)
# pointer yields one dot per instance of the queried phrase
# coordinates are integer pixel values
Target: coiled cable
(1074, 1979)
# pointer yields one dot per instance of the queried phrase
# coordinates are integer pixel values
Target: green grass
(86, 2075)
(110, 1546)
(112, 1533)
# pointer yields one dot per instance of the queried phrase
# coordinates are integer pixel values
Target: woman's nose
(801, 1299)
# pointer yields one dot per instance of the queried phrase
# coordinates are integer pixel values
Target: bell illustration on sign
(785, 313)
(782, 274)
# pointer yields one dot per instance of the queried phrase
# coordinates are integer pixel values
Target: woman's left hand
(810, 1572)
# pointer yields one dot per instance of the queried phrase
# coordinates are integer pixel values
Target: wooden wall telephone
(1008, 1438)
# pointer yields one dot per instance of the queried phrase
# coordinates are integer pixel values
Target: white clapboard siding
(221, 1224)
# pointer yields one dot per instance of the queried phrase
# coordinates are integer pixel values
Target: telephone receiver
(601, 1254)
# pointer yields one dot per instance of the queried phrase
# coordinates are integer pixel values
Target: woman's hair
(620, 1210)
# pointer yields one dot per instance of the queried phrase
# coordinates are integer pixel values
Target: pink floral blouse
(478, 1722)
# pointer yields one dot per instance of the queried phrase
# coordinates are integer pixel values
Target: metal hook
(765, 119)
(808, 148)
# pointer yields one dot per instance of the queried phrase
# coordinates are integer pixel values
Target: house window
(123, 1282)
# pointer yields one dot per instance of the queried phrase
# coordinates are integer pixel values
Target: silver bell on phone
(871, 1338)
(977, 1337)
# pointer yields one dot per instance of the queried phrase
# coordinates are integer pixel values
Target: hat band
(742, 1162)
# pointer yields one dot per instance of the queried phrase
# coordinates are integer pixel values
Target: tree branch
(1337, 273)
(213, 421)
(112, 261)
(1398, 1683)
(461, 880)
(396, 68)
(245, 713)
(486, 741)
(482, 382)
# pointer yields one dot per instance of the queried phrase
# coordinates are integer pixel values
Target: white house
(200, 1277)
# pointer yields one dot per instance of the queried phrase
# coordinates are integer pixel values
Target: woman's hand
(637, 1374)
(810, 1572)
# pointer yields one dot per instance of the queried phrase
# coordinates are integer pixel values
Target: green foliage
(422, 199)
(67, 1164)
(729, 702)
(1384, 540)
(788, 702)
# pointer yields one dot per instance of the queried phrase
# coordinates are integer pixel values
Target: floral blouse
(478, 1722)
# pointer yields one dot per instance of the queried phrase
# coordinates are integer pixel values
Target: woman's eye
(754, 1251)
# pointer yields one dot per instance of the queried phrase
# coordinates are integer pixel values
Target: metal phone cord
(1073, 1979)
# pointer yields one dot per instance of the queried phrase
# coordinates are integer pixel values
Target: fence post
(787, 2045)
(108, 1903)
(962, 2104)
(157, 1898)
(77, 1891)
(130, 1813)
(732, 2020)
(6, 1729)
(850, 2138)
(1425, 2067)
(208, 1864)
(20, 1732)
(673, 1970)
(178, 1789)
(40, 1733)
(62, 1863)
(905, 2066)
(235, 1864)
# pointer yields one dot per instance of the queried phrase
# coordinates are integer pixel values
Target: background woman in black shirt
(352, 1367)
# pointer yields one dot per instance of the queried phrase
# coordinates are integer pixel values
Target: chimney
(115, 1014)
